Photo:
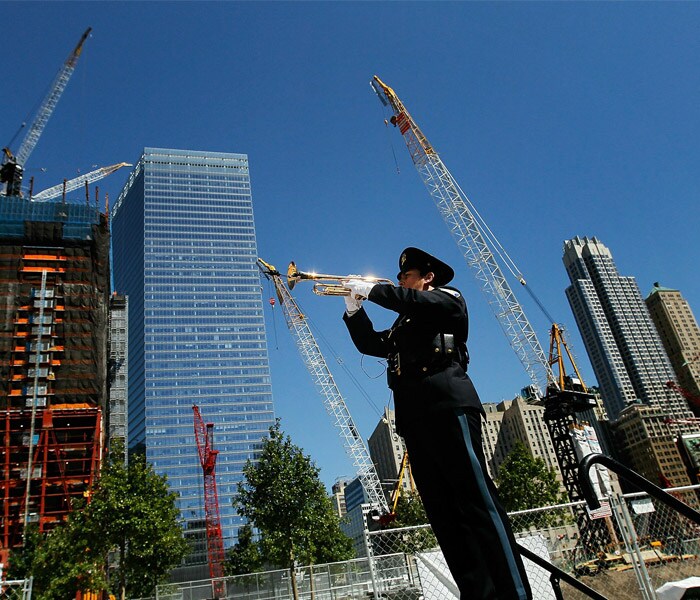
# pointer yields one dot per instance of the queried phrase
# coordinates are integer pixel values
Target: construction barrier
(644, 545)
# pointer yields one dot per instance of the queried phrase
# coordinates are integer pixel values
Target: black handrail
(557, 574)
(633, 478)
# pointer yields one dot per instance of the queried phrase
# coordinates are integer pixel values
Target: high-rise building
(338, 496)
(629, 361)
(512, 421)
(387, 448)
(625, 350)
(680, 335)
(184, 252)
(54, 299)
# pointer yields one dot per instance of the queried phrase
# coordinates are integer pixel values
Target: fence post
(370, 557)
(629, 535)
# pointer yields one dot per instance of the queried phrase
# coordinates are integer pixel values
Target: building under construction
(54, 302)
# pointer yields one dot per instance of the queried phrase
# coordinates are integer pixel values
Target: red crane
(204, 435)
(693, 400)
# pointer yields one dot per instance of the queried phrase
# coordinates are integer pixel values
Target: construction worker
(438, 413)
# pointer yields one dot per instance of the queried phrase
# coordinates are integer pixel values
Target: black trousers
(461, 502)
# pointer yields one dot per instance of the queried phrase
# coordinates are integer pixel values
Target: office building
(54, 300)
(387, 449)
(512, 421)
(185, 252)
(338, 496)
(629, 361)
(626, 353)
(680, 335)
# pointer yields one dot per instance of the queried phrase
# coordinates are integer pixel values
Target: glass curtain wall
(184, 251)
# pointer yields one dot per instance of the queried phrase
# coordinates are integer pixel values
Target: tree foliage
(244, 556)
(526, 482)
(284, 499)
(131, 515)
(134, 512)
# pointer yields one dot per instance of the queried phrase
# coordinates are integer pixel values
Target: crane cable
(342, 364)
(498, 248)
(274, 313)
(337, 357)
(384, 112)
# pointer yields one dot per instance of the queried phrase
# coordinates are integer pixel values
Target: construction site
(57, 364)
(54, 316)
(54, 289)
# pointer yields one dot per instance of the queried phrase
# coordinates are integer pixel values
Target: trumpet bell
(292, 275)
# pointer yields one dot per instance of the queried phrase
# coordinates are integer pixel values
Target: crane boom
(74, 184)
(49, 104)
(472, 237)
(204, 437)
(332, 398)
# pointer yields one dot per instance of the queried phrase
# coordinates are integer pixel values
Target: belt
(442, 351)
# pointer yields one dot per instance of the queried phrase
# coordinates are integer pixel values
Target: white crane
(74, 184)
(13, 165)
(332, 398)
(474, 238)
(50, 101)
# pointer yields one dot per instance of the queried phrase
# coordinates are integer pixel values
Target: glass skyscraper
(624, 347)
(184, 252)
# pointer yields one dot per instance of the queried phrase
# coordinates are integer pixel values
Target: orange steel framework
(51, 447)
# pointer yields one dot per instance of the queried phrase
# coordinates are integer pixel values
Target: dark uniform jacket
(425, 348)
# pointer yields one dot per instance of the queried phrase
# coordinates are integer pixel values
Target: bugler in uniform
(438, 413)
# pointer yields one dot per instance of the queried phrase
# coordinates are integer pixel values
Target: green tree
(133, 517)
(69, 559)
(410, 512)
(284, 499)
(244, 556)
(20, 560)
(526, 482)
(135, 513)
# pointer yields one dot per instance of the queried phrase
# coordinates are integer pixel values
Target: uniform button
(425, 369)
(438, 350)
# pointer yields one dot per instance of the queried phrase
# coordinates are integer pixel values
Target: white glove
(352, 305)
(359, 288)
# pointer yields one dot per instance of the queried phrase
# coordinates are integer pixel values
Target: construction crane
(404, 470)
(692, 399)
(567, 397)
(204, 436)
(325, 383)
(474, 238)
(561, 396)
(74, 184)
(13, 165)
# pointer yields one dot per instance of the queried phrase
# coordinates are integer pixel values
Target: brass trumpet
(322, 287)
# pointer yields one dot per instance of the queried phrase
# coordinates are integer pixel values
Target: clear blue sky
(557, 119)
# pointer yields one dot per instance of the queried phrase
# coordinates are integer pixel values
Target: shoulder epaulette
(450, 291)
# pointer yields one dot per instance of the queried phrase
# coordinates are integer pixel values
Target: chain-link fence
(18, 589)
(631, 548)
